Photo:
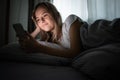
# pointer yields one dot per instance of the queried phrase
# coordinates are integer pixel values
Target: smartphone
(20, 32)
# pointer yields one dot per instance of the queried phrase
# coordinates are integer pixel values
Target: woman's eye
(45, 15)
(37, 20)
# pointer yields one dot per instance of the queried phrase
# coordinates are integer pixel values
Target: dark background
(4, 21)
(9, 14)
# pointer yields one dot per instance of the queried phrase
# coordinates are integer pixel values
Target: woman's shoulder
(71, 18)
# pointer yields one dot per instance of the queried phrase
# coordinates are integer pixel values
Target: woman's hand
(37, 30)
(29, 44)
(35, 23)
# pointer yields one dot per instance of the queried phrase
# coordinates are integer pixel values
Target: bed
(100, 59)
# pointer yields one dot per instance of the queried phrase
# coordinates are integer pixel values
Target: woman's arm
(35, 32)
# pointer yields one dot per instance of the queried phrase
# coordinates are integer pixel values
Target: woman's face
(44, 20)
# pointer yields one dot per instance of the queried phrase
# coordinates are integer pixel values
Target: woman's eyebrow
(36, 17)
(42, 13)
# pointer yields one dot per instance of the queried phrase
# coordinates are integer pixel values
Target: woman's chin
(46, 30)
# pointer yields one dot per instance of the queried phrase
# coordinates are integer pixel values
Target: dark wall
(4, 18)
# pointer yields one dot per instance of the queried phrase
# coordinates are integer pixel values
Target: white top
(65, 39)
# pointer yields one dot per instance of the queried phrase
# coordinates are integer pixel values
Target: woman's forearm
(35, 32)
(67, 53)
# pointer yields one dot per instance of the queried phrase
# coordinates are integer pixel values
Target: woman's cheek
(39, 25)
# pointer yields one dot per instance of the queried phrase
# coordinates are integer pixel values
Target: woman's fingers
(34, 21)
(28, 36)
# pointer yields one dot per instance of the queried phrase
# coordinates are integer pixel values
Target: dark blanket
(101, 32)
(101, 56)
(13, 52)
(101, 63)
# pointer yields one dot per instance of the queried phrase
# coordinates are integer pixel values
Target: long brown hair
(48, 36)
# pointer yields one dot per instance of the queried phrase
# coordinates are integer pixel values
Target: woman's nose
(42, 20)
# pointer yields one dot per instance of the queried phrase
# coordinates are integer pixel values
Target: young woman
(51, 29)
